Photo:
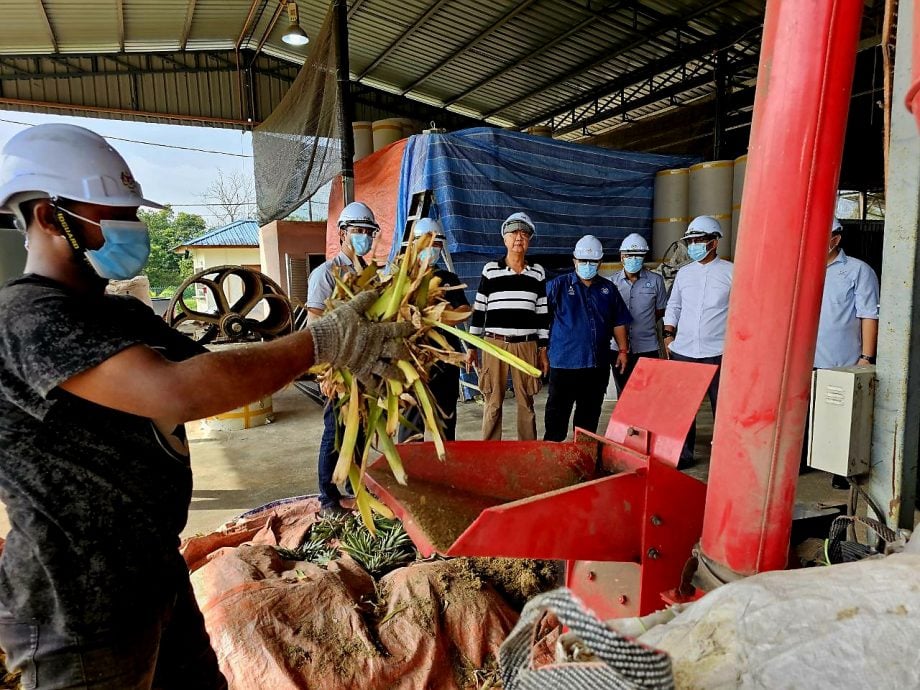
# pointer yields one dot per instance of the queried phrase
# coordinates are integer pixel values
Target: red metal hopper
(613, 506)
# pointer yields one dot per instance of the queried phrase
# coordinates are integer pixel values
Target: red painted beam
(800, 111)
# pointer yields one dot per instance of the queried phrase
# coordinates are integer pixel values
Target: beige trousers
(492, 380)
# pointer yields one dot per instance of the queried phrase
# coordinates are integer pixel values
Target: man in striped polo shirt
(510, 311)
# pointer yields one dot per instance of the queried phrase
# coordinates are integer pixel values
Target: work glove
(346, 339)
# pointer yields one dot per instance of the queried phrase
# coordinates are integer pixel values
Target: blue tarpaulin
(480, 176)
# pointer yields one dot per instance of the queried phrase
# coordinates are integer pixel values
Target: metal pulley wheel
(242, 305)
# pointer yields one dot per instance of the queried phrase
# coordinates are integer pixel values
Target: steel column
(346, 103)
(895, 433)
(800, 109)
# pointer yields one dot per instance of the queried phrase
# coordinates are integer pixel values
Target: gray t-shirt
(96, 497)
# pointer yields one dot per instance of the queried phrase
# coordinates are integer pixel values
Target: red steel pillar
(800, 111)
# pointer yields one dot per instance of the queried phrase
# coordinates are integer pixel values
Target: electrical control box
(840, 420)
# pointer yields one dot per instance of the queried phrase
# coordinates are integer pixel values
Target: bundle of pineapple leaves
(386, 548)
(409, 291)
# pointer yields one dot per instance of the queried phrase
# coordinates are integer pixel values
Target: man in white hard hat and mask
(586, 310)
(94, 390)
(646, 296)
(357, 230)
(444, 378)
(697, 310)
(510, 311)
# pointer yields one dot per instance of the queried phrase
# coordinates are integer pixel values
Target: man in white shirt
(848, 328)
(697, 311)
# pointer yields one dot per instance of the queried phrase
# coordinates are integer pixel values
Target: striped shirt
(511, 304)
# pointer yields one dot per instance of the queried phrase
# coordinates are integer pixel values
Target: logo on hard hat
(127, 179)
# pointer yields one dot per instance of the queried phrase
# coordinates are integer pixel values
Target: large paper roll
(711, 195)
(386, 132)
(364, 138)
(670, 209)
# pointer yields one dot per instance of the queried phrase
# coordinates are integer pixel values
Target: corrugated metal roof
(508, 62)
(241, 233)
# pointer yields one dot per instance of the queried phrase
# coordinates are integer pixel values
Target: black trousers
(686, 453)
(581, 388)
(631, 360)
(445, 388)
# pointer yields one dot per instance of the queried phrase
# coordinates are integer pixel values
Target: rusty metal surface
(505, 470)
(610, 590)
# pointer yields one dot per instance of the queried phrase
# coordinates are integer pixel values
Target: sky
(167, 174)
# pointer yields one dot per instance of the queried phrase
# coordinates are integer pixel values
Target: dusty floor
(241, 470)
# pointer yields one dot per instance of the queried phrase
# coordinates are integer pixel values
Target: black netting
(298, 148)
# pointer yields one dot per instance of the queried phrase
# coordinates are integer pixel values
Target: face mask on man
(633, 264)
(698, 250)
(361, 243)
(586, 271)
(124, 251)
(429, 254)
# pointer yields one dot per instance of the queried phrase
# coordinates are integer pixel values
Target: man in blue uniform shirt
(585, 310)
(646, 297)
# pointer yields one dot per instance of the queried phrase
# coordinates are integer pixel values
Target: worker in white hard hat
(697, 310)
(848, 326)
(357, 229)
(444, 378)
(586, 310)
(646, 296)
(510, 311)
(94, 391)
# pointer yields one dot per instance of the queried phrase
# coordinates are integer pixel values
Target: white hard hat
(701, 226)
(518, 221)
(589, 248)
(359, 214)
(634, 244)
(428, 225)
(66, 161)
(836, 226)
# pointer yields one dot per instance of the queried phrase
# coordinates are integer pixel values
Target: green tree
(166, 268)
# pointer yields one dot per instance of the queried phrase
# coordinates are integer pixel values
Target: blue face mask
(124, 251)
(697, 251)
(432, 254)
(361, 243)
(586, 271)
(633, 264)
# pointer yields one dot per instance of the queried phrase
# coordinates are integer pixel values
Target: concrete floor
(241, 470)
